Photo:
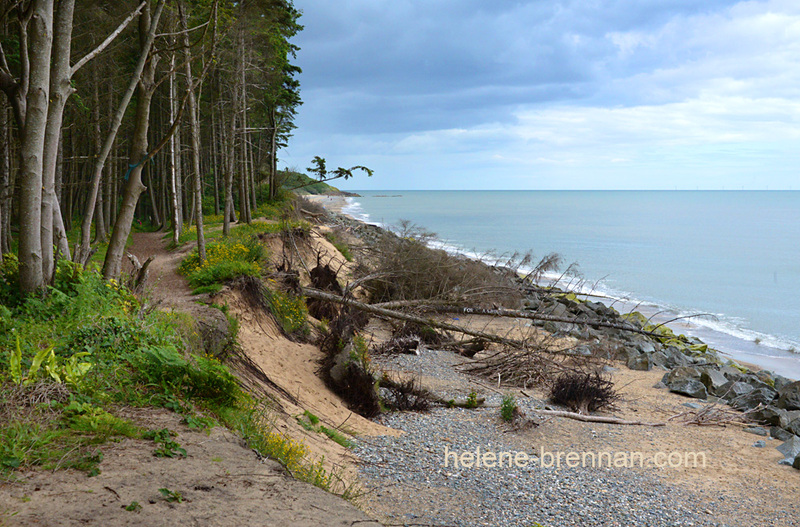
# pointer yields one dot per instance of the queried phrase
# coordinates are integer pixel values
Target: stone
(796, 463)
(793, 427)
(789, 396)
(557, 310)
(626, 353)
(214, 329)
(674, 357)
(771, 416)
(781, 381)
(660, 386)
(757, 430)
(732, 389)
(640, 363)
(713, 380)
(760, 444)
(758, 397)
(693, 406)
(582, 351)
(686, 381)
(645, 346)
(790, 450)
(780, 434)
(731, 373)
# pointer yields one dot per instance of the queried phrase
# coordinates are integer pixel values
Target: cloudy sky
(552, 94)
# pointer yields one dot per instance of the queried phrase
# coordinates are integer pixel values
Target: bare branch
(109, 39)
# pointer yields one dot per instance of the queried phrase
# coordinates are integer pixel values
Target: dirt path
(163, 283)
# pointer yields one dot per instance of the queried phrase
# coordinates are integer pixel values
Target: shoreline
(738, 349)
(406, 480)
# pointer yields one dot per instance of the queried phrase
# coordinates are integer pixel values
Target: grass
(340, 246)
(71, 359)
(310, 422)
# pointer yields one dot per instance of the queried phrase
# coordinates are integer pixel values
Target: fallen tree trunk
(510, 313)
(595, 418)
(322, 295)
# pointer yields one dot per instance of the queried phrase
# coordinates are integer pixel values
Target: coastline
(748, 352)
(406, 480)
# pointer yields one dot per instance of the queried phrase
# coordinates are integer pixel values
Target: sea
(723, 266)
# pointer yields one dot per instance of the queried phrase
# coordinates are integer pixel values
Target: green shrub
(508, 407)
(225, 260)
(290, 311)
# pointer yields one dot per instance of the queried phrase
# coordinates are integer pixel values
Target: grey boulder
(790, 450)
(789, 396)
(686, 381)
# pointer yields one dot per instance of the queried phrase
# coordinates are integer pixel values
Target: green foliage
(171, 496)
(240, 254)
(311, 417)
(197, 377)
(337, 436)
(290, 311)
(508, 408)
(199, 422)
(340, 246)
(472, 400)
(295, 180)
(212, 289)
(9, 280)
(166, 447)
(320, 170)
(88, 418)
(133, 507)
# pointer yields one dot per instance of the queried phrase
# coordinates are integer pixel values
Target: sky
(551, 94)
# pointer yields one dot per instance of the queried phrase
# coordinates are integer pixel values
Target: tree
(321, 172)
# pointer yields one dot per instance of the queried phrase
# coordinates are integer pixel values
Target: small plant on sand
(133, 507)
(472, 400)
(336, 436)
(508, 407)
(166, 446)
(171, 496)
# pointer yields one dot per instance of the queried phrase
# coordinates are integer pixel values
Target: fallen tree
(376, 309)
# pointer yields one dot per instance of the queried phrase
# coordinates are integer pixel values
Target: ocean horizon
(726, 260)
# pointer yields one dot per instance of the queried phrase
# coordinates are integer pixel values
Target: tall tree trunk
(5, 190)
(194, 130)
(31, 276)
(174, 190)
(112, 266)
(60, 90)
(215, 162)
(99, 224)
(146, 36)
(229, 168)
(273, 146)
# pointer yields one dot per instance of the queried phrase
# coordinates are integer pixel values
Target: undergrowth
(73, 358)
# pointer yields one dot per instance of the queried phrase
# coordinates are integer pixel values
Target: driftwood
(595, 418)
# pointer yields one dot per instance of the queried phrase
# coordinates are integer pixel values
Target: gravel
(410, 485)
